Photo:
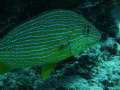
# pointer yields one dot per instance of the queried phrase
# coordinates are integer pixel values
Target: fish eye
(87, 30)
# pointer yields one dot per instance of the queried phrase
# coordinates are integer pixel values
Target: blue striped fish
(45, 40)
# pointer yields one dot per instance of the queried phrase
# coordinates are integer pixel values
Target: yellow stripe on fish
(45, 40)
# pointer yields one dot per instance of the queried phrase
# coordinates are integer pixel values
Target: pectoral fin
(47, 69)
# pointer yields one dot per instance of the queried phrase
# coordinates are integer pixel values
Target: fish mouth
(88, 45)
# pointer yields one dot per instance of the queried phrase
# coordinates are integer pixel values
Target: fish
(46, 39)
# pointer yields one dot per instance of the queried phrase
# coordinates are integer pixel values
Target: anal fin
(4, 68)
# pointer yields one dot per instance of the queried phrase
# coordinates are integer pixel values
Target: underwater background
(97, 68)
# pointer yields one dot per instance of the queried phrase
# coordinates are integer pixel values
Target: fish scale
(45, 40)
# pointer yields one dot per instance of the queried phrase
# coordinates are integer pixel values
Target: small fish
(45, 40)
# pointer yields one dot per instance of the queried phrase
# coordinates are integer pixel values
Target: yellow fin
(4, 68)
(47, 69)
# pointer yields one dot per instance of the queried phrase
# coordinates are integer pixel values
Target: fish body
(45, 40)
